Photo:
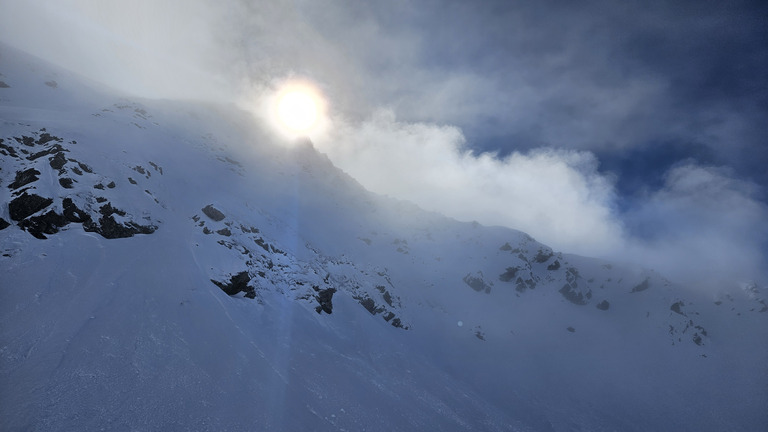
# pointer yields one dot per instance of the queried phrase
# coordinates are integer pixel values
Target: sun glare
(297, 109)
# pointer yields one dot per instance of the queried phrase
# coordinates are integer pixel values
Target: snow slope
(128, 223)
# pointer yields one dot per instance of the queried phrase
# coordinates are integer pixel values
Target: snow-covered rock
(170, 265)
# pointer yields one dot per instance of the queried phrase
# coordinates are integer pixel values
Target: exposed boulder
(477, 283)
(523, 284)
(369, 305)
(24, 178)
(72, 213)
(48, 223)
(509, 274)
(554, 266)
(237, 283)
(677, 308)
(4, 224)
(642, 286)
(603, 305)
(213, 213)
(56, 148)
(26, 205)
(573, 295)
(109, 228)
(325, 299)
(58, 160)
(543, 256)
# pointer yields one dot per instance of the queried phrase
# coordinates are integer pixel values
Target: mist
(407, 116)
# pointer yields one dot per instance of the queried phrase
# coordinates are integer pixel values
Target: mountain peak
(222, 280)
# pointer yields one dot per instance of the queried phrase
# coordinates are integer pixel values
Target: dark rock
(98, 186)
(4, 85)
(101, 200)
(72, 213)
(48, 223)
(388, 316)
(677, 308)
(27, 205)
(156, 167)
(571, 274)
(7, 150)
(224, 231)
(206, 230)
(387, 297)
(109, 228)
(522, 285)
(480, 335)
(325, 299)
(370, 305)
(237, 283)
(476, 283)
(213, 213)
(603, 305)
(554, 266)
(574, 296)
(543, 256)
(107, 210)
(264, 245)
(26, 140)
(58, 160)
(642, 286)
(111, 185)
(571, 329)
(45, 138)
(24, 178)
(131, 181)
(506, 247)
(85, 167)
(56, 148)
(509, 274)
(4, 224)
(398, 324)
(697, 339)
(66, 182)
(77, 171)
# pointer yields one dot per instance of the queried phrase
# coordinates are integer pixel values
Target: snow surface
(435, 324)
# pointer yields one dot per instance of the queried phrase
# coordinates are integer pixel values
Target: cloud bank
(504, 122)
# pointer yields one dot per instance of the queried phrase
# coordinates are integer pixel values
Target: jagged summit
(172, 266)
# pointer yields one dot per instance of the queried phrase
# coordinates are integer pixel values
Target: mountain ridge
(180, 207)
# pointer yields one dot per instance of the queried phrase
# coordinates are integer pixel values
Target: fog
(407, 115)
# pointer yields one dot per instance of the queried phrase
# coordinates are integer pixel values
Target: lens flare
(297, 110)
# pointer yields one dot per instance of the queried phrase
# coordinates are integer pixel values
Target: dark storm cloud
(600, 75)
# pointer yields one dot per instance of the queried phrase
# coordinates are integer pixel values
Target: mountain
(171, 265)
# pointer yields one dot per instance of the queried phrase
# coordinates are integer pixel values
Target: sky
(631, 130)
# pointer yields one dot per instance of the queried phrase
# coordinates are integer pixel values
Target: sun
(295, 108)
(298, 110)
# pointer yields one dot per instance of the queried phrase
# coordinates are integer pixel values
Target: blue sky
(631, 130)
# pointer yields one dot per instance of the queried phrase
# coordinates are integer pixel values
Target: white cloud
(701, 226)
(555, 195)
